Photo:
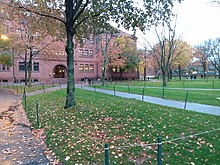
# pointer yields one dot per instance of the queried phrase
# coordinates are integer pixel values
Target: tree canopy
(77, 17)
(209, 50)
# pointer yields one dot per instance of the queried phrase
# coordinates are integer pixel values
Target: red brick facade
(54, 69)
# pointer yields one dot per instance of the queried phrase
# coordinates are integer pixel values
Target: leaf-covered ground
(130, 127)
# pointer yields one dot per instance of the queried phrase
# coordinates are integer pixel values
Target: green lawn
(186, 83)
(19, 89)
(78, 135)
(199, 91)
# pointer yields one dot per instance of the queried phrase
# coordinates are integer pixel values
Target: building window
(114, 69)
(81, 67)
(86, 53)
(5, 67)
(91, 53)
(80, 52)
(118, 69)
(21, 66)
(149, 71)
(86, 67)
(36, 66)
(91, 68)
(84, 40)
(91, 40)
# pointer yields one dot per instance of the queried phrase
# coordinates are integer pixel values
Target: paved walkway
(17, 143)
(202, 108)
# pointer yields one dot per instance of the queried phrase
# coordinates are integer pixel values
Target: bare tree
(211, 52)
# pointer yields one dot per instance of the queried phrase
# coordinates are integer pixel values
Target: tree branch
(96, 15)
(42, 14)
(80, 12)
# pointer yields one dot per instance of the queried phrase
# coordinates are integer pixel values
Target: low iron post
(43, 87)
(143, 94)
(163, 92)
(129, 91)
(186, 99)
(159, 151)
(37, 115)
(114, 89)
(21, 88)
(106, 155)
(17, 89)
(24, 97)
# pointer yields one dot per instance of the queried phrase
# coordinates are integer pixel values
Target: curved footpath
(17, 143)
(202, 108)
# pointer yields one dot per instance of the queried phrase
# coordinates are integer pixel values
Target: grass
(199, 91)
(185, 83)
(77, 136)
(19, 89)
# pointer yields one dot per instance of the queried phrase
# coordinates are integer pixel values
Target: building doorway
(59, 71)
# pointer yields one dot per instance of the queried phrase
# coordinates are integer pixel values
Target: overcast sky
(198, 20)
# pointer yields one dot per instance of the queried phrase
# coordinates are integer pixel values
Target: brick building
(54, 68)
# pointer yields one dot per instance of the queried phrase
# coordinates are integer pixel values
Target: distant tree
(105, 42)
(31, 40)
(182, 55)
(5, 45)
(76, 17)
(127, 54)
(163, 50)
(211, 50)
(216, 2)
(201, 53)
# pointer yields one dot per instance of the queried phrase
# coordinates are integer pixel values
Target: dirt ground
(17, 143)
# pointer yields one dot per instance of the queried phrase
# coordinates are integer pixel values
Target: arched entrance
(59, 71)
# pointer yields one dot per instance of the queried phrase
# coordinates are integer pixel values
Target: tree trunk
(164, 81)
(104, 67)
(110, 74)
(145, 73)
(70, 96)
(25, 67)
(168, 75)
(29, 74)
(138, 72)
(171, 74)
(30, 67)
(121, 73)
(204, 70)
(103, 75)
(179, 68)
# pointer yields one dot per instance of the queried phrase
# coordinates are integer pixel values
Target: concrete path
(17, 143)
(202, 108)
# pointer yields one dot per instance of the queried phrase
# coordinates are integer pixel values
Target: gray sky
(198, 20)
